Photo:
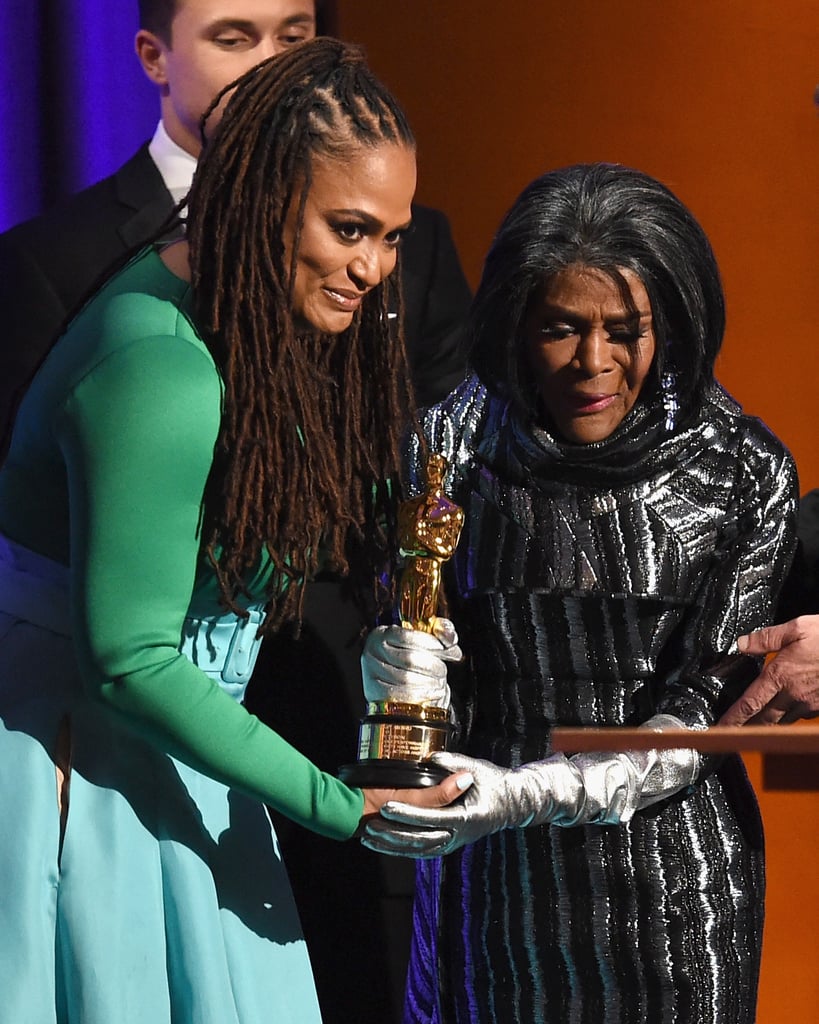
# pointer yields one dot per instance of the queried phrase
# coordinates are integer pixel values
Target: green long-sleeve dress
(159, 895)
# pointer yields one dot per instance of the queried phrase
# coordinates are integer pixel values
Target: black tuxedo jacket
(49, 264)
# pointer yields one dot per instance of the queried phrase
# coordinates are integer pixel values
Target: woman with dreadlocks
(220, 419)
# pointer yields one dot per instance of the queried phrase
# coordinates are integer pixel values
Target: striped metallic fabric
(600, 585)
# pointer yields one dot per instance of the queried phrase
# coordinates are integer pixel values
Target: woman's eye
(350, 232)
(557, 332)
(626, 335)
(394, 238)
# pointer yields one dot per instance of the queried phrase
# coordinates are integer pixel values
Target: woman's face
(356, 212)
(589, 354)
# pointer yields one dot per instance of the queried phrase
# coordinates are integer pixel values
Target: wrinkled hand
(550, 790)
(787, 688)
(408, 665)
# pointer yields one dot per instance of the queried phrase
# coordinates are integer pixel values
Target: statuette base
(387, 774)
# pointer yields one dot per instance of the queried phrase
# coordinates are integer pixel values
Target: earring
(671, 404)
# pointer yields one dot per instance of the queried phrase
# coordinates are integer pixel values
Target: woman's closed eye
(627, 334)
(558, 331)
(622, 334)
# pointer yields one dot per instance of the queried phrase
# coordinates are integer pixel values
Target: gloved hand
(409, 665)
(587, 789)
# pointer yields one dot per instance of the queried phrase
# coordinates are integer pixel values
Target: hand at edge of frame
(787, 688)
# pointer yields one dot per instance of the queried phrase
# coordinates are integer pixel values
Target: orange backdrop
(714, 97)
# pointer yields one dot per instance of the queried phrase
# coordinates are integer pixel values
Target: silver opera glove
(587, 789)
(408, 665)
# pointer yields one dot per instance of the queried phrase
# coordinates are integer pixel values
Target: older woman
(221, 418)
(625, 523)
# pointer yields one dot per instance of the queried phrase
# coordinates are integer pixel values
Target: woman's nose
(593, 353)
(371, 265)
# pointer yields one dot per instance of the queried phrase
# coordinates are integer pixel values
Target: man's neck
(174, 164)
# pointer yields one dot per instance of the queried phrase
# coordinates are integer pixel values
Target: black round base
(392, 774)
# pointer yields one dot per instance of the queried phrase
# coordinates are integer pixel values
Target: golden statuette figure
(396, 738)
(428, 531)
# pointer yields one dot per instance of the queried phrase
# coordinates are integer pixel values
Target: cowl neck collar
(651, 437)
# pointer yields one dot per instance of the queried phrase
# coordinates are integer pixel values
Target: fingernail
(464, 781)
(742, 642)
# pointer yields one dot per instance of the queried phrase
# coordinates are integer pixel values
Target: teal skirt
(146, 893)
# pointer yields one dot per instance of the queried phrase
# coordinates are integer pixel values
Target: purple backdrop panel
(74, 103)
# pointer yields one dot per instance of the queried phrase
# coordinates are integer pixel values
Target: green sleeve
(137, 437)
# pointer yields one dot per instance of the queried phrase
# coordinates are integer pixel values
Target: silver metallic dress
(600, 585)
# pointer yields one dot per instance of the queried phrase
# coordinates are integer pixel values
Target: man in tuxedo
(355, 906)
(189, 49)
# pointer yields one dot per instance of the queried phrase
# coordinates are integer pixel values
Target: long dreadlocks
(310, 435)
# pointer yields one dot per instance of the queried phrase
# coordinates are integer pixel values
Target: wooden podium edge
(719, 739)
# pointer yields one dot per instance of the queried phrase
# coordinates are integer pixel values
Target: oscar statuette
(396, 738)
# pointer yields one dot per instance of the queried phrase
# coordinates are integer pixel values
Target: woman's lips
(589, 403)
(346, 300)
